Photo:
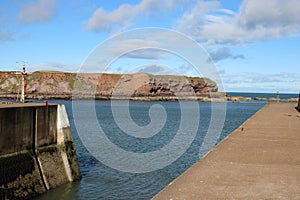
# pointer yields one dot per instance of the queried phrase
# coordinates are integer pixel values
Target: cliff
(48, 84)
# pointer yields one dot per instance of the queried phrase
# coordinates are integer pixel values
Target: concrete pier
(36, 150)
(259, 160)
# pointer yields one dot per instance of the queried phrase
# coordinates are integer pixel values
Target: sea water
(264, 95)
(100, 181)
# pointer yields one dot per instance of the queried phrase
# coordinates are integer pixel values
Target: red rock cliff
(137, 85)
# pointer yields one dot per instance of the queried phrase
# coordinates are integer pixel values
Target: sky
(253, 45)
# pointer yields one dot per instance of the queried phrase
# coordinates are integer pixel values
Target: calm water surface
(264, 95)
(102, 182)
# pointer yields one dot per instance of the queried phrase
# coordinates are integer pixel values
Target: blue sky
(254, 44)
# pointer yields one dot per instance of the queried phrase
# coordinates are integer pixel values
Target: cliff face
(106, 85)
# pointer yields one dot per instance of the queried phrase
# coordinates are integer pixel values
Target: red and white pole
(24, 74)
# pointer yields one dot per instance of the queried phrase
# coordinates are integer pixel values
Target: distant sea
(263, 95)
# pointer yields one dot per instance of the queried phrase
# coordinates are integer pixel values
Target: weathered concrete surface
(36, 150)
(11, 125)
(259, 160)
(20, 124)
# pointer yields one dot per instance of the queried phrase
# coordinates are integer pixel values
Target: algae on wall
(36, 150)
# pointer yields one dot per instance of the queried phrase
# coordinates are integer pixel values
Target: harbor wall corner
(37, 151)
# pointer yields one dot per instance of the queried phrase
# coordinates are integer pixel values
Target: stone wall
(36, 150)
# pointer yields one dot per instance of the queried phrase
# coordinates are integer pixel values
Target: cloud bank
(253, 82)
(255, 20)
(124, 15)
(208, 21)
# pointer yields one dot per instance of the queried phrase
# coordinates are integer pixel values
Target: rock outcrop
(45, 84)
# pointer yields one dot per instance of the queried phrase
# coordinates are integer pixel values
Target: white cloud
(156, 69)
(147, 54)
(125, 14)
(224, 53)
(255, 20)
(102, 20)
(258, 82)
(194, 19)
(39, 11)
(139, 48)
(271, 14)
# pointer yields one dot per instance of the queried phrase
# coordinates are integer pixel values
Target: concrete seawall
(36, 150)
(259, 160)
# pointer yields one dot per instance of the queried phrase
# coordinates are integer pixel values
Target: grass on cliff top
(118, 75)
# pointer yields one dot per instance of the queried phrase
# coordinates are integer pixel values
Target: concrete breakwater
(259, 160)
(36, 150)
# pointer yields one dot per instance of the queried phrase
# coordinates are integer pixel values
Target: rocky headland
(139, 86)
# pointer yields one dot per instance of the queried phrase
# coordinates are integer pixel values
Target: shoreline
(212, 97)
